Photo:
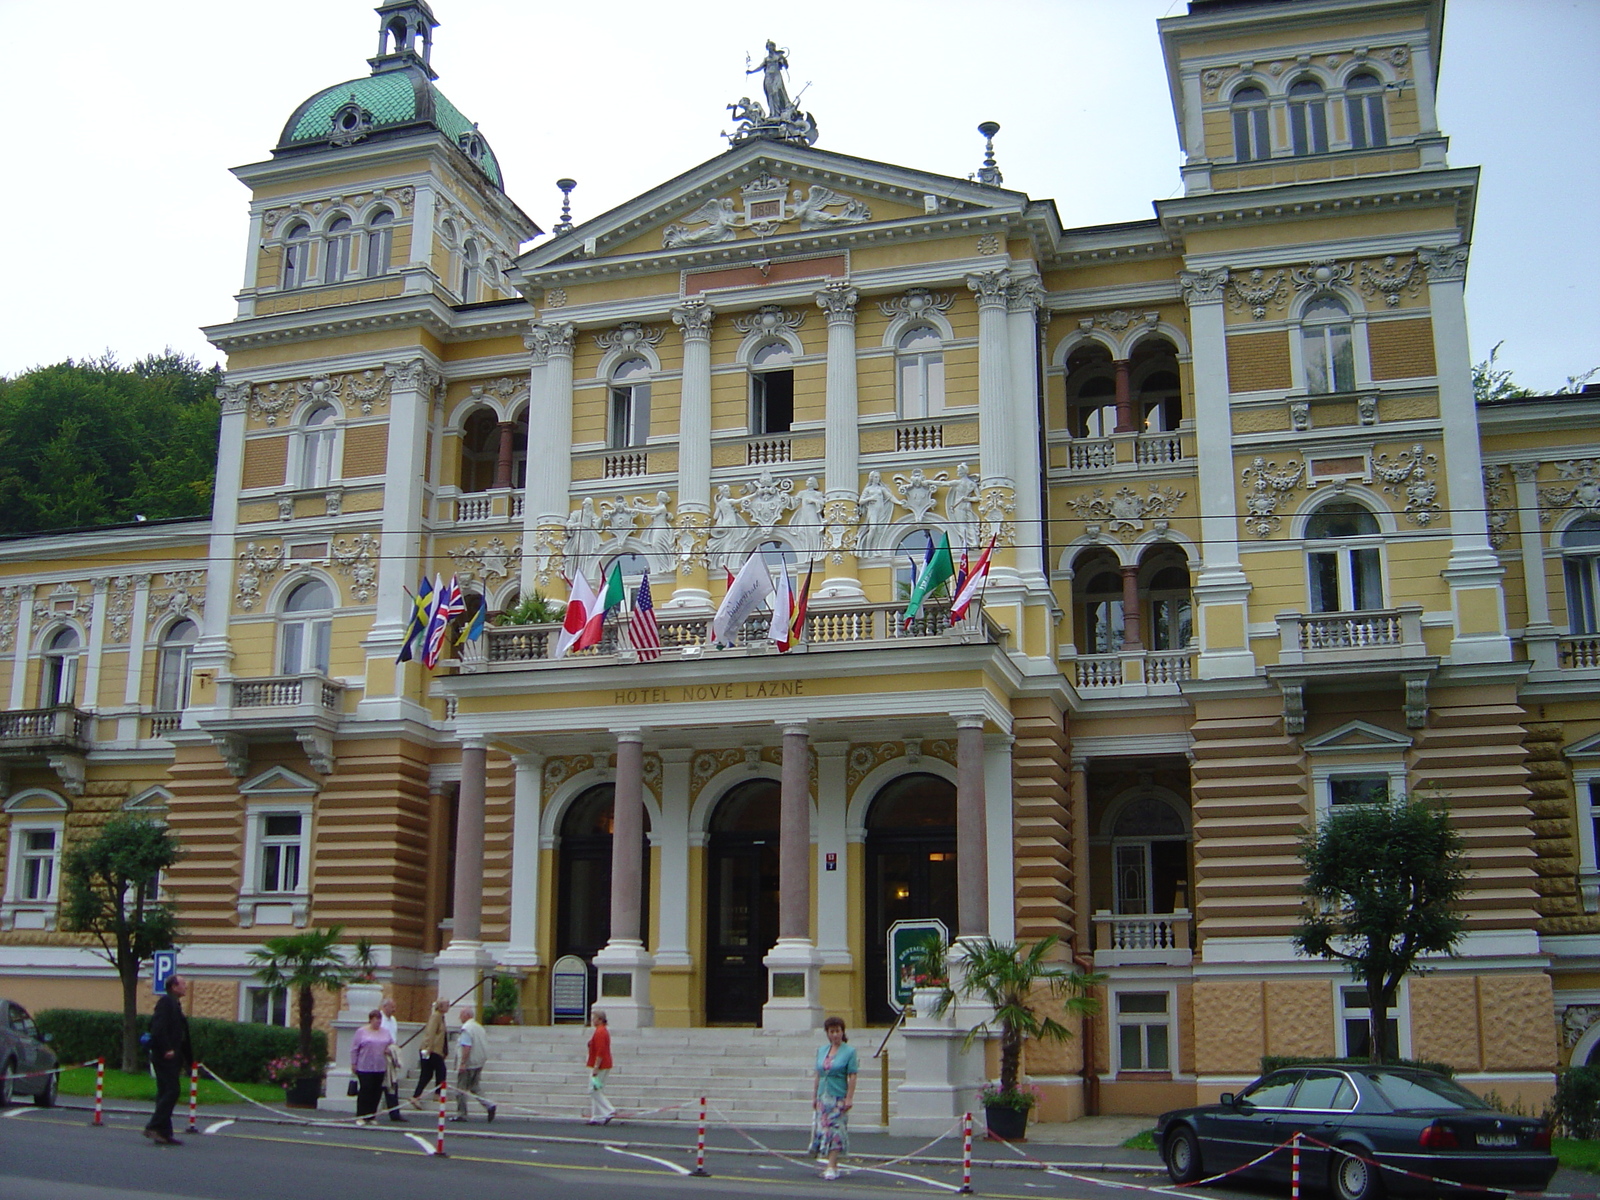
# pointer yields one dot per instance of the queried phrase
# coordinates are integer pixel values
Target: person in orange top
(601, 1110)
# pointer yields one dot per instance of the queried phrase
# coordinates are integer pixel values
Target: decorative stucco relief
(1269, 486)
(1408, 476)
(257, 565)
(1126, 511)
(357, 559)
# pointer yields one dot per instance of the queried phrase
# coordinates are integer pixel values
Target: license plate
(1497, 1139)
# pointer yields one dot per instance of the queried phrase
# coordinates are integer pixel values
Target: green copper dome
(387, 101)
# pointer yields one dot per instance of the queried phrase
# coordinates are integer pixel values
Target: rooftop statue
(781, 120)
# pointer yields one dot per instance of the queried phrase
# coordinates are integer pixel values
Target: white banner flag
(749, 588)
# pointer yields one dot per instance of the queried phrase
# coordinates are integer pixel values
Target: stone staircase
(754, 1076)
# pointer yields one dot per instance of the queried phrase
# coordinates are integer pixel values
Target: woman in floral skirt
(835, 1095)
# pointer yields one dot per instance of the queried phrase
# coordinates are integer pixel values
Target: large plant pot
(303, 1093)
(1007, 1124)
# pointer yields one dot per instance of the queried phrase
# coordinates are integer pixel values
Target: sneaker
(416, 1104)
(456, 1118)
(493, 1108)
(830, 1173)
(608, 1118)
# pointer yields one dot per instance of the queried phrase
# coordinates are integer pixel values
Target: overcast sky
(125, 231)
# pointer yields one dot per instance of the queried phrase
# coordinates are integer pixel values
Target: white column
(549, 422)
(213, 651)
(19, 661)
(694, 407)
(1221, 589)
(672, 839)
(412, 388)
(138, 632)
(997, 804)
(1541, 636)
(252, 266)
(1022, 306)
(995, 445)
(418, 272)
(97, 645)
(842, 434)
(833, 886)
(522, 948)
(1474, 573)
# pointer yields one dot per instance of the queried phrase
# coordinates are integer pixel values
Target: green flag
(613, 594)
(934, 573)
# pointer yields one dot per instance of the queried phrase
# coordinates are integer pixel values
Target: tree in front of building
(113, 893)
(1383, 885)
(301, 963)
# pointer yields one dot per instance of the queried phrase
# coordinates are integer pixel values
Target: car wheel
(1355, 1178)
(45, 1097)
(5, 1084)
(1183, 1155)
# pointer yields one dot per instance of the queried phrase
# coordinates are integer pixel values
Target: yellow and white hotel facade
(1258, 554)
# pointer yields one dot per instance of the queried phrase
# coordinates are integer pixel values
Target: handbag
(354, 1088)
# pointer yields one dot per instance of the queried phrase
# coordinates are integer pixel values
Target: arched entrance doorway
(741, 901)
(1150, 857)
(911, 869)
(583, 876)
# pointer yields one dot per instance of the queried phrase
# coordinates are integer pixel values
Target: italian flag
(583, 620)
(936, 571)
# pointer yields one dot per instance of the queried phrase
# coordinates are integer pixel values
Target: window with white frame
(267, 1005)
(380, 240)
(1344, 559)
(1586, 780)
(1364, 105)
(469, 271)
(58, 681)
(172, 666)
(1580, 562)
(306, 629)
(1350, 789)
(316, 447)
(1144, 1031)
(919, 357)
(38, 851)
(1358, 763)
(771, 389)
(1327, 346)
(337, 244)
(297, 255)
(275, 887)
(1250, 140)
(1308, 117)
(280, 848)
(33, 867)
(1355, 1024)
(630, 404)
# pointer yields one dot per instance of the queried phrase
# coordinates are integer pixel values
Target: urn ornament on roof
(781, 119)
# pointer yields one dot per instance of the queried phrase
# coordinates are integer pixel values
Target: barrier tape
(1470, 1187)
(881, 1169)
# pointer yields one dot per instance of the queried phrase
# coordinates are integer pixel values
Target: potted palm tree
(1014, 980)
(302, 962)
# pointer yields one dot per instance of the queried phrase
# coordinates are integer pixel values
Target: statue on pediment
(781, 120)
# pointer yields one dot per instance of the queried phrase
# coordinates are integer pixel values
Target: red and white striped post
(438, 1149)
(966, 1155)
(194, 1094)
(700, 1144)
(99, 1091)
(1294, 1167)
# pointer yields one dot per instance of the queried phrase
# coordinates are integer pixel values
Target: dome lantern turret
(405, 36)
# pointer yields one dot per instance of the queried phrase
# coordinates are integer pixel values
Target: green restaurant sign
(904, 937)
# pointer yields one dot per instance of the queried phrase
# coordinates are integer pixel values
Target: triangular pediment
(1357, 735)
(279, 781)
(1589, 747)
(152, 799)
(770, 193)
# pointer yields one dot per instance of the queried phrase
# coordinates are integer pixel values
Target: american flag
(642, 629)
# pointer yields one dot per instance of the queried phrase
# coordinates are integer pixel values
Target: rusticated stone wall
(1444, 1021)
(1299, 1017)
(1518, 1011)
(1229, 1027)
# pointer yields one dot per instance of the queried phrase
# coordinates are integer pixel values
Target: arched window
(380, 241)
(583, 906)
(1091, 392)
(1580, 552)
(1364, 102)
(480, 448)
(1157, 395)
(172, 670)
(911, 869)
(336, 247)
(920, 359)
(1342, 539)
(1098, 585)
(1250, 141)
(771, 389)
(1150, 853)
(469, 271)
(297, 255)
(306, 629)
(630, 404)
(1308, 117)
(1171, 609)
(58, 682)
(316, 448)
(1326, 346)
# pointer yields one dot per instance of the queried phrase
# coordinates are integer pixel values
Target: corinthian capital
(694, 317)
(545, 338)
(1204, 286)
(990, 287)
(416, 375)
(1443, 263)
(1025, 295)
(234, 396)
(838, 300)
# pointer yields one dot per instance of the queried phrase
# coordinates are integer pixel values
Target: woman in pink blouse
(369, 1060)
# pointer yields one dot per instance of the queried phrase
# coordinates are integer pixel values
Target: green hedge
(1271, 1062)
(1576, 1109)
(235, 1051)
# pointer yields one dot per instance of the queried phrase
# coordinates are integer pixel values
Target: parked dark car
(1388, 1120)
(23, 1054)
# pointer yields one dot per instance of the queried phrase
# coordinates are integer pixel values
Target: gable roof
(1357, 735)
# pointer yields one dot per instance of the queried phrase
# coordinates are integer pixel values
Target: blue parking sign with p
(166, 967)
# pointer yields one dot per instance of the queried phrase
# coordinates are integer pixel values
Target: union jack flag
(642, 629)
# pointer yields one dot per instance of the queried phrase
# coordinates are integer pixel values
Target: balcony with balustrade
(1123, 453)
(30, 733)
(498, 506)
(1372, 646)
(1130, 673)
(306, 708)
(1142, 940)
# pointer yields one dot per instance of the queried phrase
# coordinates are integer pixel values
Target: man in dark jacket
(170, 1055)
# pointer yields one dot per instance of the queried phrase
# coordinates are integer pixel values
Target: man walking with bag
(170, 1055)
(471, 1055)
